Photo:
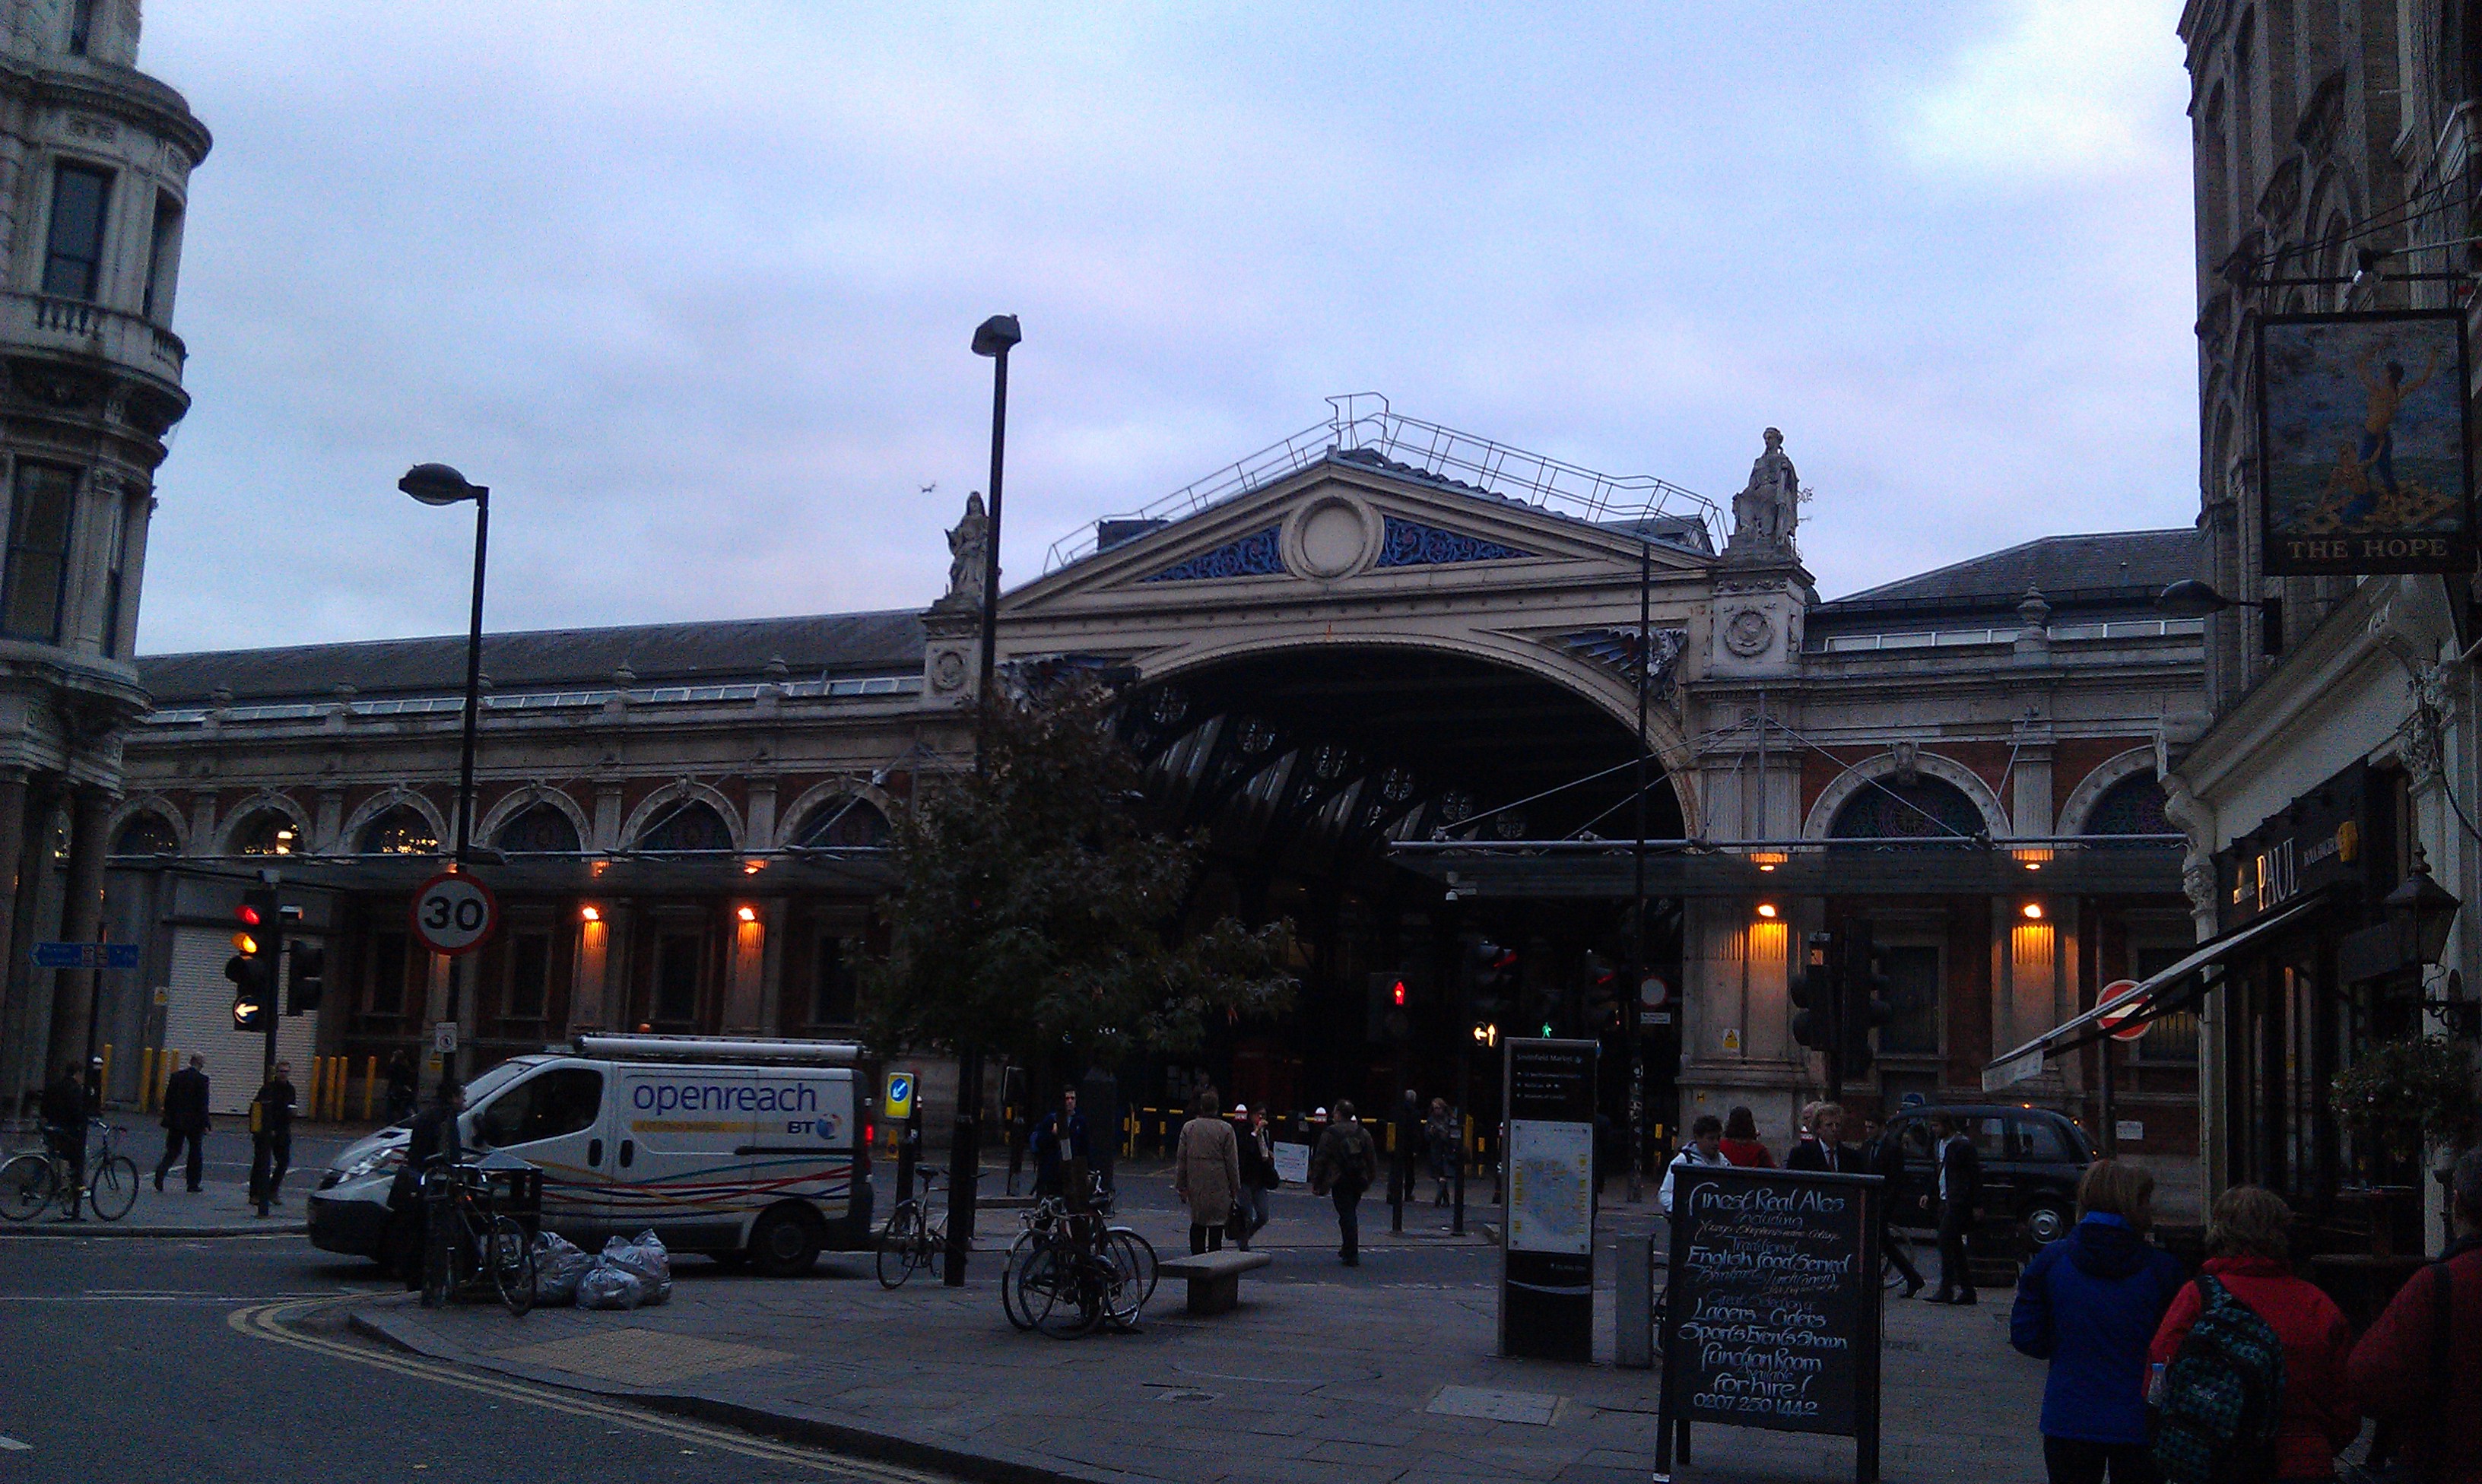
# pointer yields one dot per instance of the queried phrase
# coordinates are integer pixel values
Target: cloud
(2059, 90)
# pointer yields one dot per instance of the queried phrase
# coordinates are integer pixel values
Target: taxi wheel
(786, 1240)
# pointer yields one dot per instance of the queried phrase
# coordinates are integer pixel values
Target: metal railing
(1362, 420)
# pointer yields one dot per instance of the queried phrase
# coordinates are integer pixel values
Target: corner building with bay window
(95, 167)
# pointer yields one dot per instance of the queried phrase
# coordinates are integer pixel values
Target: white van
(740, 1149)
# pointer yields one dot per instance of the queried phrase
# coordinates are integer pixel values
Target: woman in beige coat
(1206, 1172)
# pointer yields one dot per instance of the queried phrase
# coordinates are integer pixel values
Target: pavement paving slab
(1312, 1378)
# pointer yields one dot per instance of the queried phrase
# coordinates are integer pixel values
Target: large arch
(348, 839)
(517, 801)
(1839, 793)
(2107, 775)
(656, 805)
(250, 809)
(153, 806)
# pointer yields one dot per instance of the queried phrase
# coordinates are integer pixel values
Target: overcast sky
(691, 286)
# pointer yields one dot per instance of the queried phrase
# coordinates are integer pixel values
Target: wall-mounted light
(2033, 911)
(589, 913)
(1767, 910)
(753, 868)
(746, 914)
(1767, 860)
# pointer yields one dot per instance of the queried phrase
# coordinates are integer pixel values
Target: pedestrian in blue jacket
(2090, 1304)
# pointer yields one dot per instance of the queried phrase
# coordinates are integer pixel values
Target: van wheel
(786, 1240)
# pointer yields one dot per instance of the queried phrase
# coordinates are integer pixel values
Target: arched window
(268, 832)
(686, 824)
(539, 830)
(399, 831)
(146, 834)
(843, 821)
(1926, 807)
(2132, 806)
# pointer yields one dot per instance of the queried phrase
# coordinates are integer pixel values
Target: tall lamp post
(440, 485)
(994, 337)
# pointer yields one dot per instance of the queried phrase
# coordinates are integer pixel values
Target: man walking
(1405, 1167)
(1257, 1172)
(1342, 1168)
(1883, 1153)
(1207, 1174)
(1061, 1136)
(1704, 1150)
(1960, 1189)
(65, 1111)
(1439, 1133)
(185, 1121)
(2420, 1368)
(270, 1142)
(1820, 1148)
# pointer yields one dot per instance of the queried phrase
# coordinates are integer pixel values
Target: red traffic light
(247, 914)
(1400, 992)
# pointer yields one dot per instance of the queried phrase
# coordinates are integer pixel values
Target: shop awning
(2175, 988)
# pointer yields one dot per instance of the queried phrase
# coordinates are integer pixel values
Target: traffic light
(1863, 988)
(1813, 995)
(258, 939)
(1490, 971)
(309, 979)
(1603, 995)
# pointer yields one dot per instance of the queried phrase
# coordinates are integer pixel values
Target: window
(162, 259)
(81, 26)
(1914, 995)
(2040, 1142)
(116, 558)
(564, 1100)
(399, 831)
(74, 261)
(686, 825)
(269, 832)
(831, 983)
(542, 829)
(843, 821)
(39, 552)
(2132, 806)
(146, 834)
(383, 992)
(529, 975)
(676, 977)
(1886, 809)
(2172, 1038)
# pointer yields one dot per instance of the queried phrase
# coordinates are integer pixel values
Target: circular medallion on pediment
(1748, 632)
(948, 671)
(1332, 537)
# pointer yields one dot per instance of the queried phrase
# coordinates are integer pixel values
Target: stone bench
(1214, 1277)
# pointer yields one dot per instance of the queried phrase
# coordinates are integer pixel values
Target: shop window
(146, 834)
(686, 827)
(269, 832)
(832, 982)
(39, 552)
(400, 831)
(842, 823)
(566, 1099)
(74, 257)
(529, 984)
(1913, 970)
(542, 829)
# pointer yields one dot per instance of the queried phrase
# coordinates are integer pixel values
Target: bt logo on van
(826, 1128)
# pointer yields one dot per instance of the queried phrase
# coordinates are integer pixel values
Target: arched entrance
(1297, 767)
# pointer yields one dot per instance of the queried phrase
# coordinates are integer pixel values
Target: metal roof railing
(1362, 421)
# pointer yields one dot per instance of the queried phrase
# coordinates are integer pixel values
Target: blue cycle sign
(86, 955)
(453, 913)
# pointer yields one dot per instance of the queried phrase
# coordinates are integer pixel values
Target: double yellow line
(274, 1322)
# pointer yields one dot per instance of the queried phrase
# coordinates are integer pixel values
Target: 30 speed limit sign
(454, 914)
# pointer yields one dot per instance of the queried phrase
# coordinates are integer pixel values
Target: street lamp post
(993, 338)
(440, 485)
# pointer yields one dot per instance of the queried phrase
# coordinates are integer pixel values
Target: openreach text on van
(725, 1098)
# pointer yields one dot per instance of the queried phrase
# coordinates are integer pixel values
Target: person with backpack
(2419, 1368)
(2089, 1303)
(1705, 1148)
(1342, 1168)
(2254, 1358)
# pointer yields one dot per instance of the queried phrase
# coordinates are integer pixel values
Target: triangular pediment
(1341, 527)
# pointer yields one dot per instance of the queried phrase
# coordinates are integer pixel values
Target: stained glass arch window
(2132, 806)
(686, 825)
(539, 829)
(399, 831)
(1925, 808)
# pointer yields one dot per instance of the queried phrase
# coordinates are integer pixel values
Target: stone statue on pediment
(969, 554)
(1768, 508)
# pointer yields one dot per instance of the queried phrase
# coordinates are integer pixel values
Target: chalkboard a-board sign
(1772, 1312)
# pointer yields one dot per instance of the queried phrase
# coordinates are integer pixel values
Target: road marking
(271, 1322)
(12, 1445)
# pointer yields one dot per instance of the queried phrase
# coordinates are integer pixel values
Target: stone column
(586, 998)
(744, 978)
(81, 914)
(13, 851)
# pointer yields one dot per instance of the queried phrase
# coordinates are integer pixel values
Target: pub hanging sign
(2362, 443)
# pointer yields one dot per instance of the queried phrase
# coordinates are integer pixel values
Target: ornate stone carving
(969, 553)
(947, 670)
(1748, 632)
(1617, 649)
(1768, 508)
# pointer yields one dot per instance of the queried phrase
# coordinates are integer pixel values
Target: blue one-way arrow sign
(86, 955)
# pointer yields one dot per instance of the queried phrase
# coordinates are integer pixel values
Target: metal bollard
(1633, 1305)
(370, 1084)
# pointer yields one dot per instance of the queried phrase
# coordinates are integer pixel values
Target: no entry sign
(2116, 1019)
(453, 913)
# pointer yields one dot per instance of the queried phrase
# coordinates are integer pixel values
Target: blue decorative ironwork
(1411, 544)
(1251, 556)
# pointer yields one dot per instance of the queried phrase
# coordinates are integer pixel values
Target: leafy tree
(1034, 913)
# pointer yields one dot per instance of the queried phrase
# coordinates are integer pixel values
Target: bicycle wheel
(25, 1187)
(932, 1254)
(1140, 1256)
(115, 1188)
(895, 1260)
(509, 1259)
(1046, 1294)
(1019, 1254)
(1121, 1291)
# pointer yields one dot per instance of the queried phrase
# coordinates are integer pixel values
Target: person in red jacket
(1741, 1144)
(2395, 1371)
(2247, 1245)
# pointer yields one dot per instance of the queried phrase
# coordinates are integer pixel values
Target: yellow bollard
(370, 1083)
(164, 1071)
(145, 1075)
(103, 1083)
(337, 1089)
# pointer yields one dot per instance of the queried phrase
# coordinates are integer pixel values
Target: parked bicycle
(915, 1237)
(1070, 1271)
(32, 1181)
(472, 1240)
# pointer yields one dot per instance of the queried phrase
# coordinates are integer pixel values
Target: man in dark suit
(1819, 1149)
(1960, 1189)
(1883, 1153)
(185, 1120)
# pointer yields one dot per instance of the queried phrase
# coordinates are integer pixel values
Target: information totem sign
(1546, 1265)
(1772, 1312)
